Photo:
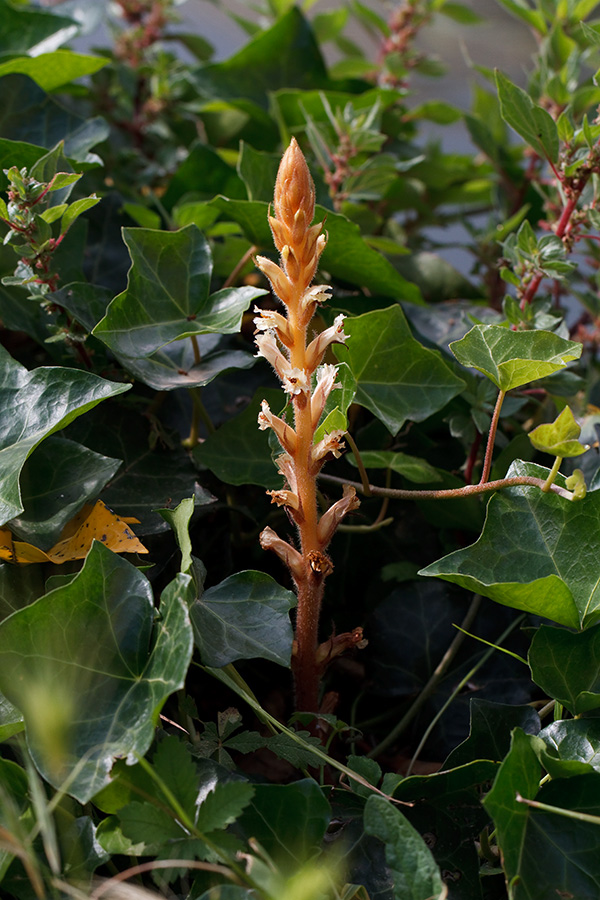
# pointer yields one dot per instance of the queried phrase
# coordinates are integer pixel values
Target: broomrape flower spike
(282, 341)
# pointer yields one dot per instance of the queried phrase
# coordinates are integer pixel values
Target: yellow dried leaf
(94, 522)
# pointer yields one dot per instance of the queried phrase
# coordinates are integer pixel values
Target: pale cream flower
(332, 444)
(326, 376)
(332, 335)
(285, 433)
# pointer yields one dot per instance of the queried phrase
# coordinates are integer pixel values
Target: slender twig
(552, 474)
(451, 493)
(489, 450)
(436, 676)
(240, 265)
(110, 883)
(360, 464)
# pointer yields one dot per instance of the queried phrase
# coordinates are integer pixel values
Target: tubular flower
(326, 376)
(277, 277)
(332, 335)
(285, 464)
(331, 444)
(285, 433)
(330, 520)
(318, 293)
(270, 540)
(285, 498)
(269, 320)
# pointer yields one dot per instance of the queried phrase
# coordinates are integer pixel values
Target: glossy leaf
(57, 479)
(33, 405)
(540, 847)
(490, 729)
(238, 453)
(244, 617)
(53, 70)
(572, 747)
(413, 468)
(33, 31)
(527, 554)
(30, 115)
(167, 297)
(513, 358)
(271, 818)
(153, 475)
(89, 673)
(175, 366)
(567, 666)
(285, 55)
(519, 774)
(534, 124)
(559, 438)
(414, 871)
(347, 256)
(397, 378)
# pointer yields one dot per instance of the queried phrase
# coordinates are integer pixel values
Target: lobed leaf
(514, 358)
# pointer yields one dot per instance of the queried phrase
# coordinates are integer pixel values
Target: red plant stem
(472, 458)
(562, 227)
(489, 451)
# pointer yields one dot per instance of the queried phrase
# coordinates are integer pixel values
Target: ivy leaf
(572, 747)
(397, 378)
(238, 452)
(244, 617)
(414, 871)
(30, 30)
(272, 816)
(513, 358)
(567, 666)
(33, 405)
(57, 479)
(518, 774)
(167, 296)
(413, 468)
(559, 438)
(89, 672)
(53, 70)
(534, 124)
(538, 846)
(526, 556)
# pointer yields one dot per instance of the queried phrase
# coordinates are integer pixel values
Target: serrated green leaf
(244, 617)
(533, 553)
(221, 807)
(33, 405)
(167, 297)
(513, 358)
(81, 666)
(559, 438)
(177, 770)
(397, 378)
(534, 124)
(414, 871)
